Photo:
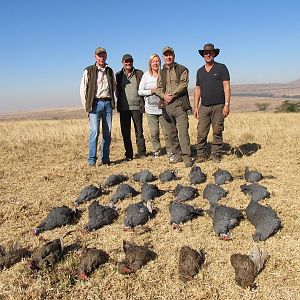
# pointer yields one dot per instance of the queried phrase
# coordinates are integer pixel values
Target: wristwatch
(227, 103)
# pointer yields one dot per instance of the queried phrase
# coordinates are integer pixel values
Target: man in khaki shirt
(172, 86)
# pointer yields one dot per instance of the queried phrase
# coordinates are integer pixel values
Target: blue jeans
(101, 109)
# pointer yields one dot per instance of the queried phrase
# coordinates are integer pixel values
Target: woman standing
(147, 87)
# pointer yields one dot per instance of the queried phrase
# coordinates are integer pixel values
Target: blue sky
(46, 44)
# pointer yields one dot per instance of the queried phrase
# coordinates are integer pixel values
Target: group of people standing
(161, 93)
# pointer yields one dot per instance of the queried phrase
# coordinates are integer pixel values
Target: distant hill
(289, 90)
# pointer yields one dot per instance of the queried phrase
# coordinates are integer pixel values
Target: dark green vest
(184, 96)
(92, 72)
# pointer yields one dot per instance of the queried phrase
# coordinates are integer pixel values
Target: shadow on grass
(243, 150)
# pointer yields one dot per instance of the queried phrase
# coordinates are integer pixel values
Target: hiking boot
(140, 155)
(188, 162)
(157, 153)
(175, 158)
(201, 159)
(216, 159)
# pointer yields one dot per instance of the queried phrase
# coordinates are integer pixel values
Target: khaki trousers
(210, 115)
(153, 123)
(178, 128)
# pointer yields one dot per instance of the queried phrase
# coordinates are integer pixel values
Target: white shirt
(147, 83)
(102, 85)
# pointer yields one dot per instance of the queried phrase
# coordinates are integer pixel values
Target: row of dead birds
(264, 219)
(190, 261)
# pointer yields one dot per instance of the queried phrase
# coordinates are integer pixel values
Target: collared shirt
(130, 90)
(172, 86)
(102, 90)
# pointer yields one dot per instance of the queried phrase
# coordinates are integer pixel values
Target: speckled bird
(190, 262)
(88, 193)
(90, 260)
(57, 217)
(256, 191)
(247, 267)
(264, 219)
(100, 215)
(213, 193)
(252, 176)
(196, 176)
(222, 176)
(135, 258)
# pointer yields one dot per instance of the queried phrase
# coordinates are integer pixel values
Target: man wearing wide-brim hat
(211, 103)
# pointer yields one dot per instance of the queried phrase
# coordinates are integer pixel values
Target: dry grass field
(43, 165)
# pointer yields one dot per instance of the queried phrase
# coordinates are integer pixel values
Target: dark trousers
(125, 122)
(177, 126)
(210, 115)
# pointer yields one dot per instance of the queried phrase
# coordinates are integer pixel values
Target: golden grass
(43, 164)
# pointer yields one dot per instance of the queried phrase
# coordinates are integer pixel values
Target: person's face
(155, 63)
(168, 57)
(208, 55)
(101, 59)
(128, 65)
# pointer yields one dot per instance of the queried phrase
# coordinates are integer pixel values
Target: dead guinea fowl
(167, 175)
(100, 215)
(137, 214)
(222, 176)
(135, 258)
(256, 191)
(12, 255)
(247, 267)
(144, 176)
(48, 255)
(252, 176)
(190, 262)
(181, 213)
(264, 219)
(88, 193)
(196, 175)
(57, 217)
(184, 193)
(224, 219)
(115, 179)
(213, 193)
(123, 191)
(150, 192)
(90, 260)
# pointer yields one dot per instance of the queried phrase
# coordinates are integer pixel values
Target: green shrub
(289, 106)
(262, 106)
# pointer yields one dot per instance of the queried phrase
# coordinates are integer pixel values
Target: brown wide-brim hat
(209, 47)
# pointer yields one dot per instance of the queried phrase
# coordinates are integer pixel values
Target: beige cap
(100, 50)
(168, 48)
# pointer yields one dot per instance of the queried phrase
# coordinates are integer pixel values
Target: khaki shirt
(172, 86)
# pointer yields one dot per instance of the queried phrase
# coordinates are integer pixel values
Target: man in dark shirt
(213, 88)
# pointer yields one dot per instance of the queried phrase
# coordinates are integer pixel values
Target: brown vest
(92, 72)
(184, 96)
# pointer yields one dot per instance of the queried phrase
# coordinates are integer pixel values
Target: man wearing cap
(213, 93)
(130, 106)
(172, 86)
(97, 96)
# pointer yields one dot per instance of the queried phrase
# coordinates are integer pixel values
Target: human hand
(168, 98)
(226, 111)
(196, 113)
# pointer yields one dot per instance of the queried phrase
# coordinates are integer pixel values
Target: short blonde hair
(150, 60)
